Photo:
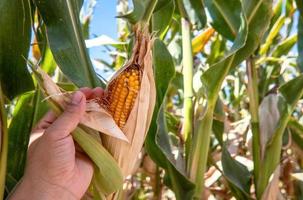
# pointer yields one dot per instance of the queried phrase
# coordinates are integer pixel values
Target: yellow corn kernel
(122, 93)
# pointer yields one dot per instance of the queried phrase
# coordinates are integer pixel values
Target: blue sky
(104, 22)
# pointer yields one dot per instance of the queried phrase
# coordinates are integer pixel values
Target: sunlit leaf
(225, 16)
(66, 40)
(272, 34)
(138, 11)
(195, 12)
(284, 47)
(162, 18)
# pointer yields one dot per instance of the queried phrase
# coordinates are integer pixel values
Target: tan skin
(55, 168)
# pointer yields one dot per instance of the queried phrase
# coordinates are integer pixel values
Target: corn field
(203, 99)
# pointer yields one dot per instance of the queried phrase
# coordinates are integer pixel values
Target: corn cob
(122, 93)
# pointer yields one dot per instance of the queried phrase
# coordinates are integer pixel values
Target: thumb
(70, 118)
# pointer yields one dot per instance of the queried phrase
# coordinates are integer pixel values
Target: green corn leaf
(195, 12)
(237, 175)
(258, 15)
(157, 142)
(272, 34)
(15, 34)
(218, 123)
(215, 75)
(284, 47)
(141, 8)
(277, 11)
(225, 16)
(138, 11)
(162, 17)
(296, 132)
(66, 40)
(28, 110)
(291, 91)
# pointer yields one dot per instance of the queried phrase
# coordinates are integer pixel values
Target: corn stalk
(187, 128)
(253, 92)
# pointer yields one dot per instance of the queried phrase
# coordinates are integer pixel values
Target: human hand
(55, 169)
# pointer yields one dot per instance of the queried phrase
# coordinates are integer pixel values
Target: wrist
(32, 189)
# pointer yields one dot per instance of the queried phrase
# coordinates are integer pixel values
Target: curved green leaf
(163, 75)
(138, 11)
(296, 132)
(66, 41)
(195, 12)
(28, 111)
(162, 18)
(292, 91)
(258, 14)
(215, 75)
(15, 34)
(272, 34)
(157, 142)
(284, 47)
(225, 16)
(237, 175)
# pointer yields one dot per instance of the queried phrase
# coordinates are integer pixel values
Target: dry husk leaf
(272, 191)
(95, 116)
(269, 116)
(137, 124)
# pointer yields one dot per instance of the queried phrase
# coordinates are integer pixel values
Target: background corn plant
(228, 116)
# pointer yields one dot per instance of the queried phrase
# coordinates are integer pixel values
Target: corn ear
(95, 116)
(139, 109)
(110, 178)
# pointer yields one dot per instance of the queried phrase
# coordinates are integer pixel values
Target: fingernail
(77, 98)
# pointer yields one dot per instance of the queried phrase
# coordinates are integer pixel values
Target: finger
(45, 121)
(98, 92)
(70, 118)
(88, 92)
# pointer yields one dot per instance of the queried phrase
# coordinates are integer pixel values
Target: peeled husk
(95, 116)
(137, 124)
